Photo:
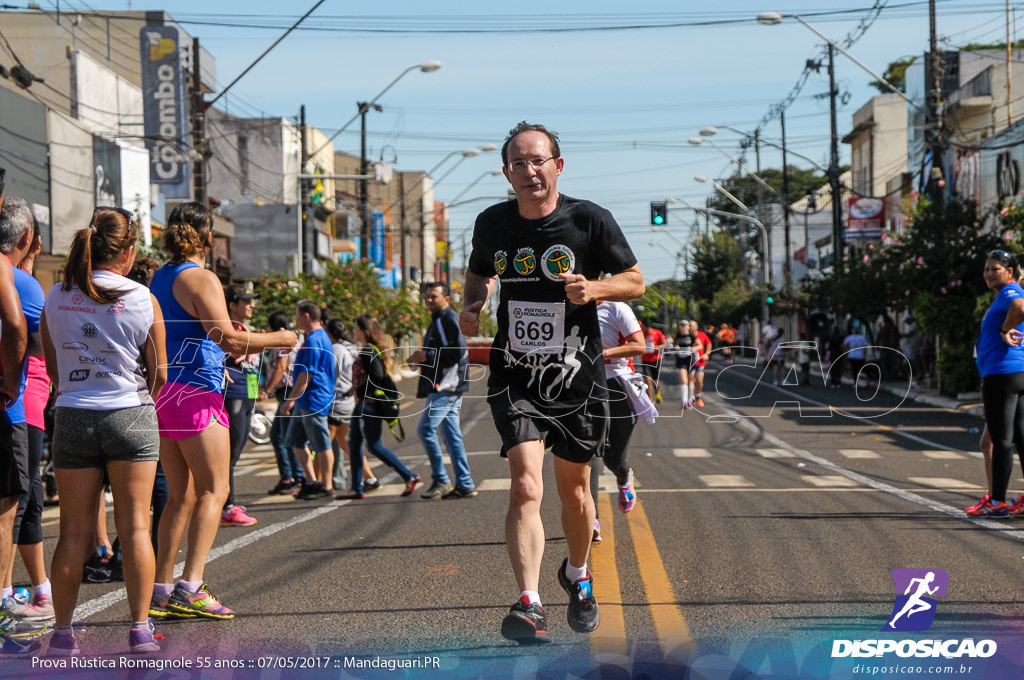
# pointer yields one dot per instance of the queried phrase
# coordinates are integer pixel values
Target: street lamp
(696, 211)
(466, 153)
(772, 18)
(755, 222)
(675, 269)
(425, 67)
(486, 173)
(746, 217)
(697, 141)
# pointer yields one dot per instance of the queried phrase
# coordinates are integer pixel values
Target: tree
(347, 290)
(717, 265)
(895, 73)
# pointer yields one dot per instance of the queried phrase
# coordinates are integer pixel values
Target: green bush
(955, 363)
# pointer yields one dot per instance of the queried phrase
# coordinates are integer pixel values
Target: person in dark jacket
(444, 370)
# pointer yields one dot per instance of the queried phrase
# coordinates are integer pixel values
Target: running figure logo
(914, 610)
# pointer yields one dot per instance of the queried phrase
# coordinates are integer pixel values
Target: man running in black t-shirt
(547, 386)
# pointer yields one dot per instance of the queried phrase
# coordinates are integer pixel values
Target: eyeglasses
(127, 214)
(519, 167)
(998, 255)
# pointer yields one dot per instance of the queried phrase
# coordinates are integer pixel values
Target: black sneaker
(313, 491)
(525, 623)
(284, 487)
(583, 614)
(437, 490)
(459, 492)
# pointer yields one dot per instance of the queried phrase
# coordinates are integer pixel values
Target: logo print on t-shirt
(558, 260)
(500, 262)
(525, 261)
(89, 330)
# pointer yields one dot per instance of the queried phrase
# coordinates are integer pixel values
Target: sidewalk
(967, 403)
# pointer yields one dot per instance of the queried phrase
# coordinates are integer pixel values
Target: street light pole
(425, 67)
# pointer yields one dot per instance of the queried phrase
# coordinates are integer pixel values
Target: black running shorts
(573, 434)
(14, 478)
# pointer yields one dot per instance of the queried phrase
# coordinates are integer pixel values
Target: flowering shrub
(347, 290)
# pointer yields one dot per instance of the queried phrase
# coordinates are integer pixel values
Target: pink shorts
(184, 411)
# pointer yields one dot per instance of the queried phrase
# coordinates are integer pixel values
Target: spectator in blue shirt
(310, 402)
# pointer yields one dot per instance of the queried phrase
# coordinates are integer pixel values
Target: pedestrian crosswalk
(262, 466)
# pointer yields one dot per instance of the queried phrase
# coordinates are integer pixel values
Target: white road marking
(944, 483)
(828, 480)
(903, 494)
(731, 481)
(691, 453)
(774, 453)
(859, 453)
(944, 455)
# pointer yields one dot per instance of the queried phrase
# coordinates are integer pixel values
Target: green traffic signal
(659, 213)
(769, 299)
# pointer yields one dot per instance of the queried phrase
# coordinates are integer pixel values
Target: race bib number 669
(536, 326)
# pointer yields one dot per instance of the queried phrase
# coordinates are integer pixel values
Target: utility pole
(787, 267)
(307, 244)
(1009, 70)
(198, 122)
(833, 169)
(934, 133)
(403, 232)
(364, 184)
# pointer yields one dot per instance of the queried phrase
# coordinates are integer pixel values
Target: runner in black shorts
(547, 383)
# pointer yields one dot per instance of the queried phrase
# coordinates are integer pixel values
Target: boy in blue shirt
(310, 402)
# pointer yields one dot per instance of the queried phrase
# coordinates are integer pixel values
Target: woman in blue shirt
(1001, 364)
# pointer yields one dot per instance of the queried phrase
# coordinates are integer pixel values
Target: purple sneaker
(142, 640)
(63, 644)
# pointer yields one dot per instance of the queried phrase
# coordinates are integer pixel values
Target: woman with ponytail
(194, 437)
(99, 330)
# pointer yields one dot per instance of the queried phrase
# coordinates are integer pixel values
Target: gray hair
(15, 219)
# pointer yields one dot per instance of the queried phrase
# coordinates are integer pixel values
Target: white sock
(7, 592)
(574, 573)
(531, 595)
(42, 589)
(140, 625)
(690, 392)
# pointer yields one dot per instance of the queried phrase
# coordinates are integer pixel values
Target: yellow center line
(610, 636)
(669, 623)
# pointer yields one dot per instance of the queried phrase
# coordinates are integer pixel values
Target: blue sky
(624, 100)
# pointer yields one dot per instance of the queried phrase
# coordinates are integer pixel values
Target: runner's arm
(622, 287)
(632, 347)
(476, 293)
(156, 352)
(14, 331)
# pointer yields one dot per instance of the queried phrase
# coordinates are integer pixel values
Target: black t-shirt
(547, 347)
(684, 344)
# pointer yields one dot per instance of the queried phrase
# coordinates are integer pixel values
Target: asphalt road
(767, 525)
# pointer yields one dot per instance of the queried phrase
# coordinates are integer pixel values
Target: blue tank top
(192, 358)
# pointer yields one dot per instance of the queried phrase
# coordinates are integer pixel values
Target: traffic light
(659, 213)
(769, 299)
